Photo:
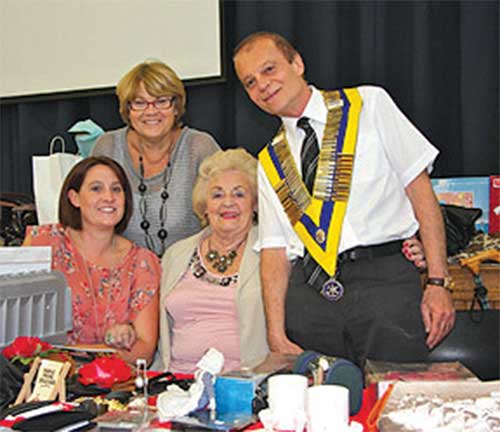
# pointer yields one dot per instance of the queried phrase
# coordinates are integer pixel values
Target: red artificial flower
(104, 372)
(26, 347)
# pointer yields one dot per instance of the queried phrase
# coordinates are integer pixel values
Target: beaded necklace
(200, 272)
(143, 207)
(221, 262)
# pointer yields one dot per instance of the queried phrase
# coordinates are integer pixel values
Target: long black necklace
(143, 207)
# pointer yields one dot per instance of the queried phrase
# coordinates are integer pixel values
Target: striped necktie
(309, 153)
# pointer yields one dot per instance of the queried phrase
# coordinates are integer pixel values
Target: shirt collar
(315, 110)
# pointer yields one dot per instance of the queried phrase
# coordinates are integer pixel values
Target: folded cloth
(51, 422)
(19, 409)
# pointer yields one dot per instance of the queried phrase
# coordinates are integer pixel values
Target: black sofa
(474, 341)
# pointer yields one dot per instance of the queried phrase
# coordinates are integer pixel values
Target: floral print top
(101, 296)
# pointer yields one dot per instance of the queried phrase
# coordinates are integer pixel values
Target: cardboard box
(494, 222)
(382, 373)
(466, 192)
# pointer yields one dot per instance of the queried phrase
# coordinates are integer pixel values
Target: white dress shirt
(390, 153)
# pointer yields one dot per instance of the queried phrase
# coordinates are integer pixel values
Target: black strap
(481, 297)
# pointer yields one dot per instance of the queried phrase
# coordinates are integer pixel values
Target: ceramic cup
(286, 398)
(327, 408)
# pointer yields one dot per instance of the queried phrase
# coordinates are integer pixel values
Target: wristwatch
(446, 282)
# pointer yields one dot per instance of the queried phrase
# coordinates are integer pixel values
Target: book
(494, 222)
(384, 373)
(466, 192)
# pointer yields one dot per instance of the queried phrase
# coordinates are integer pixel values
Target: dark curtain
(438, 60)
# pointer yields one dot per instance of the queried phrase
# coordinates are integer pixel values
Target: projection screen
(55, 46)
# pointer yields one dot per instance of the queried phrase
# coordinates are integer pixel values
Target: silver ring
(109, 339)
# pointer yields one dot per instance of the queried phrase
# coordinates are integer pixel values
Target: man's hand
(438, 314)
(437, 309)
(283, 345)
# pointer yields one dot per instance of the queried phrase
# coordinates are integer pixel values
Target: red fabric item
(104, 372)
(369, 399)
(26, 346)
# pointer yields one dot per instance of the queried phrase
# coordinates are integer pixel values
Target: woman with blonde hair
(210, 291)
(160, 156)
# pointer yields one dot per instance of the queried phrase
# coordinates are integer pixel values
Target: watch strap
(445, 282)
(436, 281)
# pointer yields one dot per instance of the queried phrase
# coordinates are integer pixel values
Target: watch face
(448, 282)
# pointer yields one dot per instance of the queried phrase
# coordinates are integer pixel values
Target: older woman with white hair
(210, 291)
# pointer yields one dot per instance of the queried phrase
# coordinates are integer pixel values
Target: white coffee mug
(327, 408)
(286, 398)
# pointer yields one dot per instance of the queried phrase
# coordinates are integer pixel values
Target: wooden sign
(49, 383)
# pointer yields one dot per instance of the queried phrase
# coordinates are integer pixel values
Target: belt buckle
(332, 290)
(352, 255)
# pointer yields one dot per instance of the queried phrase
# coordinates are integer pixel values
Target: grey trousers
(377, 318)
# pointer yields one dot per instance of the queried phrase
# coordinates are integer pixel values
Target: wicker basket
(463, 291)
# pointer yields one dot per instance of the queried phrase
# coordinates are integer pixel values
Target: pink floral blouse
(101, 296)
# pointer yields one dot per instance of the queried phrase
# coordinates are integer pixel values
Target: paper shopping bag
(49, 173)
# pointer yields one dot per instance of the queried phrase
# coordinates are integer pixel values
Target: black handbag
(11, 381)
(459, 226)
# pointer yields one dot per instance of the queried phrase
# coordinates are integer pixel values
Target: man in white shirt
(371, 305)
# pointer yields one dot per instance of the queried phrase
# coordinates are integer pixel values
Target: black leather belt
(370, 252)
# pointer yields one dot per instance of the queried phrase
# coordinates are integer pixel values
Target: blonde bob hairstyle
(218, 163)
(158, 80)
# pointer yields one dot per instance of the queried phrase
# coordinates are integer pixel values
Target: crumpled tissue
(290, 421)
(175, 402)
(86, 133)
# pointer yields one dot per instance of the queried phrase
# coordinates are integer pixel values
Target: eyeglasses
(163, 102)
